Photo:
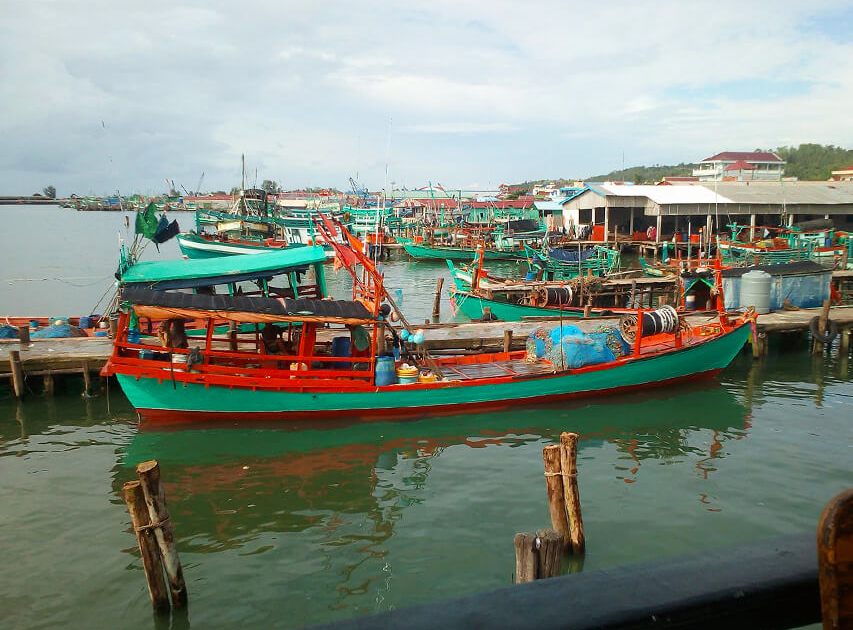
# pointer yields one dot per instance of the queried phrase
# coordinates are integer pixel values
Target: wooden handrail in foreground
(769, 584)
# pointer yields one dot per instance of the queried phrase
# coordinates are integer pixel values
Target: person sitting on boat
(271, 341)
(172, 334)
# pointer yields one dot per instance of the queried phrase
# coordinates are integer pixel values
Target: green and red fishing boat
(306, 375)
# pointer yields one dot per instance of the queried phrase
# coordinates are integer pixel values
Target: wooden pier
(85, 356)
(49, 358)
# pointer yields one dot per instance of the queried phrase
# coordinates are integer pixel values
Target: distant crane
(360, 192)
(198, 186)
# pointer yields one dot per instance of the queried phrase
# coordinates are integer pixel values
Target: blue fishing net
(576, 351)
(57, 331)
(8, 332)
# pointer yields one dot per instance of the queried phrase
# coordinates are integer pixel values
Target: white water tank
(755, 290)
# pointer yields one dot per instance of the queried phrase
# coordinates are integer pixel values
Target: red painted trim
(170, 417)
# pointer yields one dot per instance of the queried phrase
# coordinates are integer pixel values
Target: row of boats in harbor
(245, 328)
(260, 338)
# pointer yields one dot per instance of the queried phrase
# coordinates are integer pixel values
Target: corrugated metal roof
(664, 195)
(830, 193)
(770, 193)
(548, 205)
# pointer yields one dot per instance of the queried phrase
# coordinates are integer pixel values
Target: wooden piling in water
(49, 383)
(554, 487)
(436, 303)
(17, 373)
(537, 556)
(835, 562)
(569, 471)
(155, 500)
(87, 380)
(817, 347)
(134, 498)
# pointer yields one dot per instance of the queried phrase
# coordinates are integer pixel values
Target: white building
(736, 166)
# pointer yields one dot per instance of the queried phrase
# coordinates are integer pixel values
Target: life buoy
(831, 333)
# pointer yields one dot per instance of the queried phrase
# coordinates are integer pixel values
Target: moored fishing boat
(308, 376)
(425, 251)
(195, 245)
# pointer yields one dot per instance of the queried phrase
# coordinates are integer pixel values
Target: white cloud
(478, 91)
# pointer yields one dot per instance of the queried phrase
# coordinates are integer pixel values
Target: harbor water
(287, 525)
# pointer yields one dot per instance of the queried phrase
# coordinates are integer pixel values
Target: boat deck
(514, 367)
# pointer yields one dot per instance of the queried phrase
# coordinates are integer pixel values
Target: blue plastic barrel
(341, 347)
(132, 336)
(34, 323)
(85, 321)
(531, 275)
(386, 374)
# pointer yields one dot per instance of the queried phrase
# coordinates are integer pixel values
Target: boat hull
(472, 307)
(201, 248)
(425, 252)
(163, 401)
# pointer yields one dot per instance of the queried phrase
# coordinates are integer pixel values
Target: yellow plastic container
(407, 375)
(427, 377)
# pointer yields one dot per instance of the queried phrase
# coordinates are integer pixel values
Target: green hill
(809, 162)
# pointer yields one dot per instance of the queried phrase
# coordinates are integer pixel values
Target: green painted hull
(472, 307)
(164, 401)
(196, 248)
(425, 252)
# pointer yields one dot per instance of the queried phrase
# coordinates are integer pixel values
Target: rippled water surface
(282, 526)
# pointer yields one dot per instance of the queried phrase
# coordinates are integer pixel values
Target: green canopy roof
(225, 267)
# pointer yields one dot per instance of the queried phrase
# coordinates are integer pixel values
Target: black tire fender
(831, 332)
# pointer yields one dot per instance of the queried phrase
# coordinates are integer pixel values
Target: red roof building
(844, 174)
(741, 165)
(753, 165)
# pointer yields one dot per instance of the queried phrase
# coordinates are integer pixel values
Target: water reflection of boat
(336, 495)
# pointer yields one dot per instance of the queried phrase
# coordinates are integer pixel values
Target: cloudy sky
(103, 96)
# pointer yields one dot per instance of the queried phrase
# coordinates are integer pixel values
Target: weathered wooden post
(554, 487)
(436, 303)
(17, 373)
(569, 470)
(49, 383)
(24, 335)
(835, 562)
(507, 340)
(633, 296)
(87, 380)
(587, 310)
(155, 499)
(537, 556)
(817, 348)
(134, 498)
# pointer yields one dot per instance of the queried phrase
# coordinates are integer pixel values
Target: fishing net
(8, 332)
(576, 351)
(57, 331)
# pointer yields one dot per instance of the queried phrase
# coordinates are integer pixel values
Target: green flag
(146, 221)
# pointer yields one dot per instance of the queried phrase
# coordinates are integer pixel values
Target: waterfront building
(631, 210)
(740, 166)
